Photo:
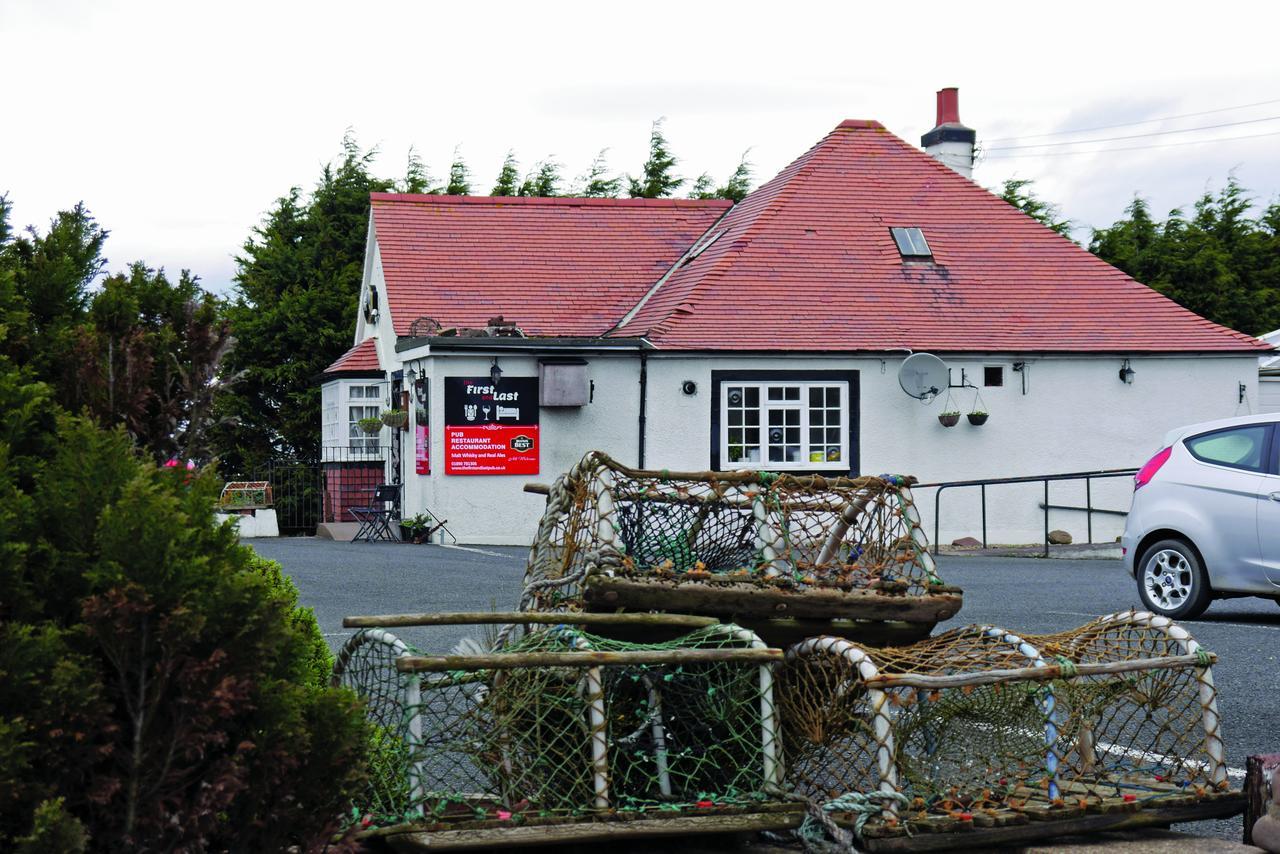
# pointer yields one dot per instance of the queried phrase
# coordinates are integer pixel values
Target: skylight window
(911, 243)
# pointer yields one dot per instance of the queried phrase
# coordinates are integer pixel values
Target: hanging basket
(395, 418)
(978, 412)
(371, 426)
(949, 419)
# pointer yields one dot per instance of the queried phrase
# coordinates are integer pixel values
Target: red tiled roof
(362, 357)
(807, 262)
(555, 266)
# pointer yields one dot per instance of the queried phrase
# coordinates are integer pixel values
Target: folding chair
(375, 520)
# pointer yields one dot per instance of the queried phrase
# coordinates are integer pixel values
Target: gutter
(453, 344)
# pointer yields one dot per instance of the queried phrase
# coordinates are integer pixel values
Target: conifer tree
(508, 183)
(1221, 262)
(739, 183)
(1017, 192)
(543, 180)
(459, 176)
(417, 178)
(657, 177)
(704, 187)
(595, 184)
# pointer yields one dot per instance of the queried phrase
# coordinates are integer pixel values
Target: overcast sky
(178, 124)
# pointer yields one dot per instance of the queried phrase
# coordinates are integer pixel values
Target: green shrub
(160, 688)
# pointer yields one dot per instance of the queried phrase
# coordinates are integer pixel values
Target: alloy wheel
(1167, 579)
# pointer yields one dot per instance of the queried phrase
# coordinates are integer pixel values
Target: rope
(819, 827)
(1204, 658)
(1066, 667)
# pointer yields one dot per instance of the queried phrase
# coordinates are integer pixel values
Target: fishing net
(540, 742)
(795, 533)
(981, 725)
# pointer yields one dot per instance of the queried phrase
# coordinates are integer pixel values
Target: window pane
(993, 375)
(833, 454)
(775, 416)
(792, 417)
(817, 417)
(753, 417)
(734, 396)
(753, 397)
(815, 396)
(917, 241)
(833, 435)
(815, 436)
(833, 396)
(735, 417)
(1240, 447)
(775, 454)
(792, 393)
(735, 436)
(355, 392)
(793, 435)
(900, 238)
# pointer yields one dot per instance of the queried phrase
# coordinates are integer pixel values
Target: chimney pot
(949, 106)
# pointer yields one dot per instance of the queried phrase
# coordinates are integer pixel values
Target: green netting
(958, 724)
(536, 743)
(789, 531)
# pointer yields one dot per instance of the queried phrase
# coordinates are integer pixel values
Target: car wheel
(1171, 581)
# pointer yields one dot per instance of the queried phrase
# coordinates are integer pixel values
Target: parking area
(1023, 595)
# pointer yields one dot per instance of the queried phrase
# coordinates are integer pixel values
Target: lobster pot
(982, 725)
(745, 546)
(529, 734)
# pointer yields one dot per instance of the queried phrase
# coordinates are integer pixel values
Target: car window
(1238, 447)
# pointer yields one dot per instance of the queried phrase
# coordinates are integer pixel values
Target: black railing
(1087, 476)
(304, 494)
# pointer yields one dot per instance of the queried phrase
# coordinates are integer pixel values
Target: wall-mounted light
(418, 382)
(1241, 391)
(495, 373)
(1126, 373)
(689, 387)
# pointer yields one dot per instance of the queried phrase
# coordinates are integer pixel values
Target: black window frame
(718, 378)
(1268, 455)
(999, 369)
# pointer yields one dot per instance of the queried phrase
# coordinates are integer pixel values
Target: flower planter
(370, 426)
(949, 419)
(977, 419)
(395, 418)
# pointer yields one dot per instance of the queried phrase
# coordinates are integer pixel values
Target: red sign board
(491, 429)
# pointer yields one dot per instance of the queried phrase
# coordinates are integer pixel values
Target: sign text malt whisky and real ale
(491, 429)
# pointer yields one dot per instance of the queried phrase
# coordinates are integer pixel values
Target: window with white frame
(363, 401)
(784, 425)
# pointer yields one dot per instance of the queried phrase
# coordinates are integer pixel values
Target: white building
(1269, 376)
(691, 335)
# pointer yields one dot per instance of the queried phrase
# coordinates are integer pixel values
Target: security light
(495, 373)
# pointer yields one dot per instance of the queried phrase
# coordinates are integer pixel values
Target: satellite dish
(924, 376)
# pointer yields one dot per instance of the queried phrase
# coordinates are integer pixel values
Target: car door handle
(1275, 496)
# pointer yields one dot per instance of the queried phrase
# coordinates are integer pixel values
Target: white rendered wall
(1269, 394)
(1076, 415)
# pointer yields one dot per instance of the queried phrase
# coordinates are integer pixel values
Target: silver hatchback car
(1205, 519)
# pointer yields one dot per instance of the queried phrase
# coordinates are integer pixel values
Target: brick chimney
(950, 142)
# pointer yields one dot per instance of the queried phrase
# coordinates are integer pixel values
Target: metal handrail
(1087, 476)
